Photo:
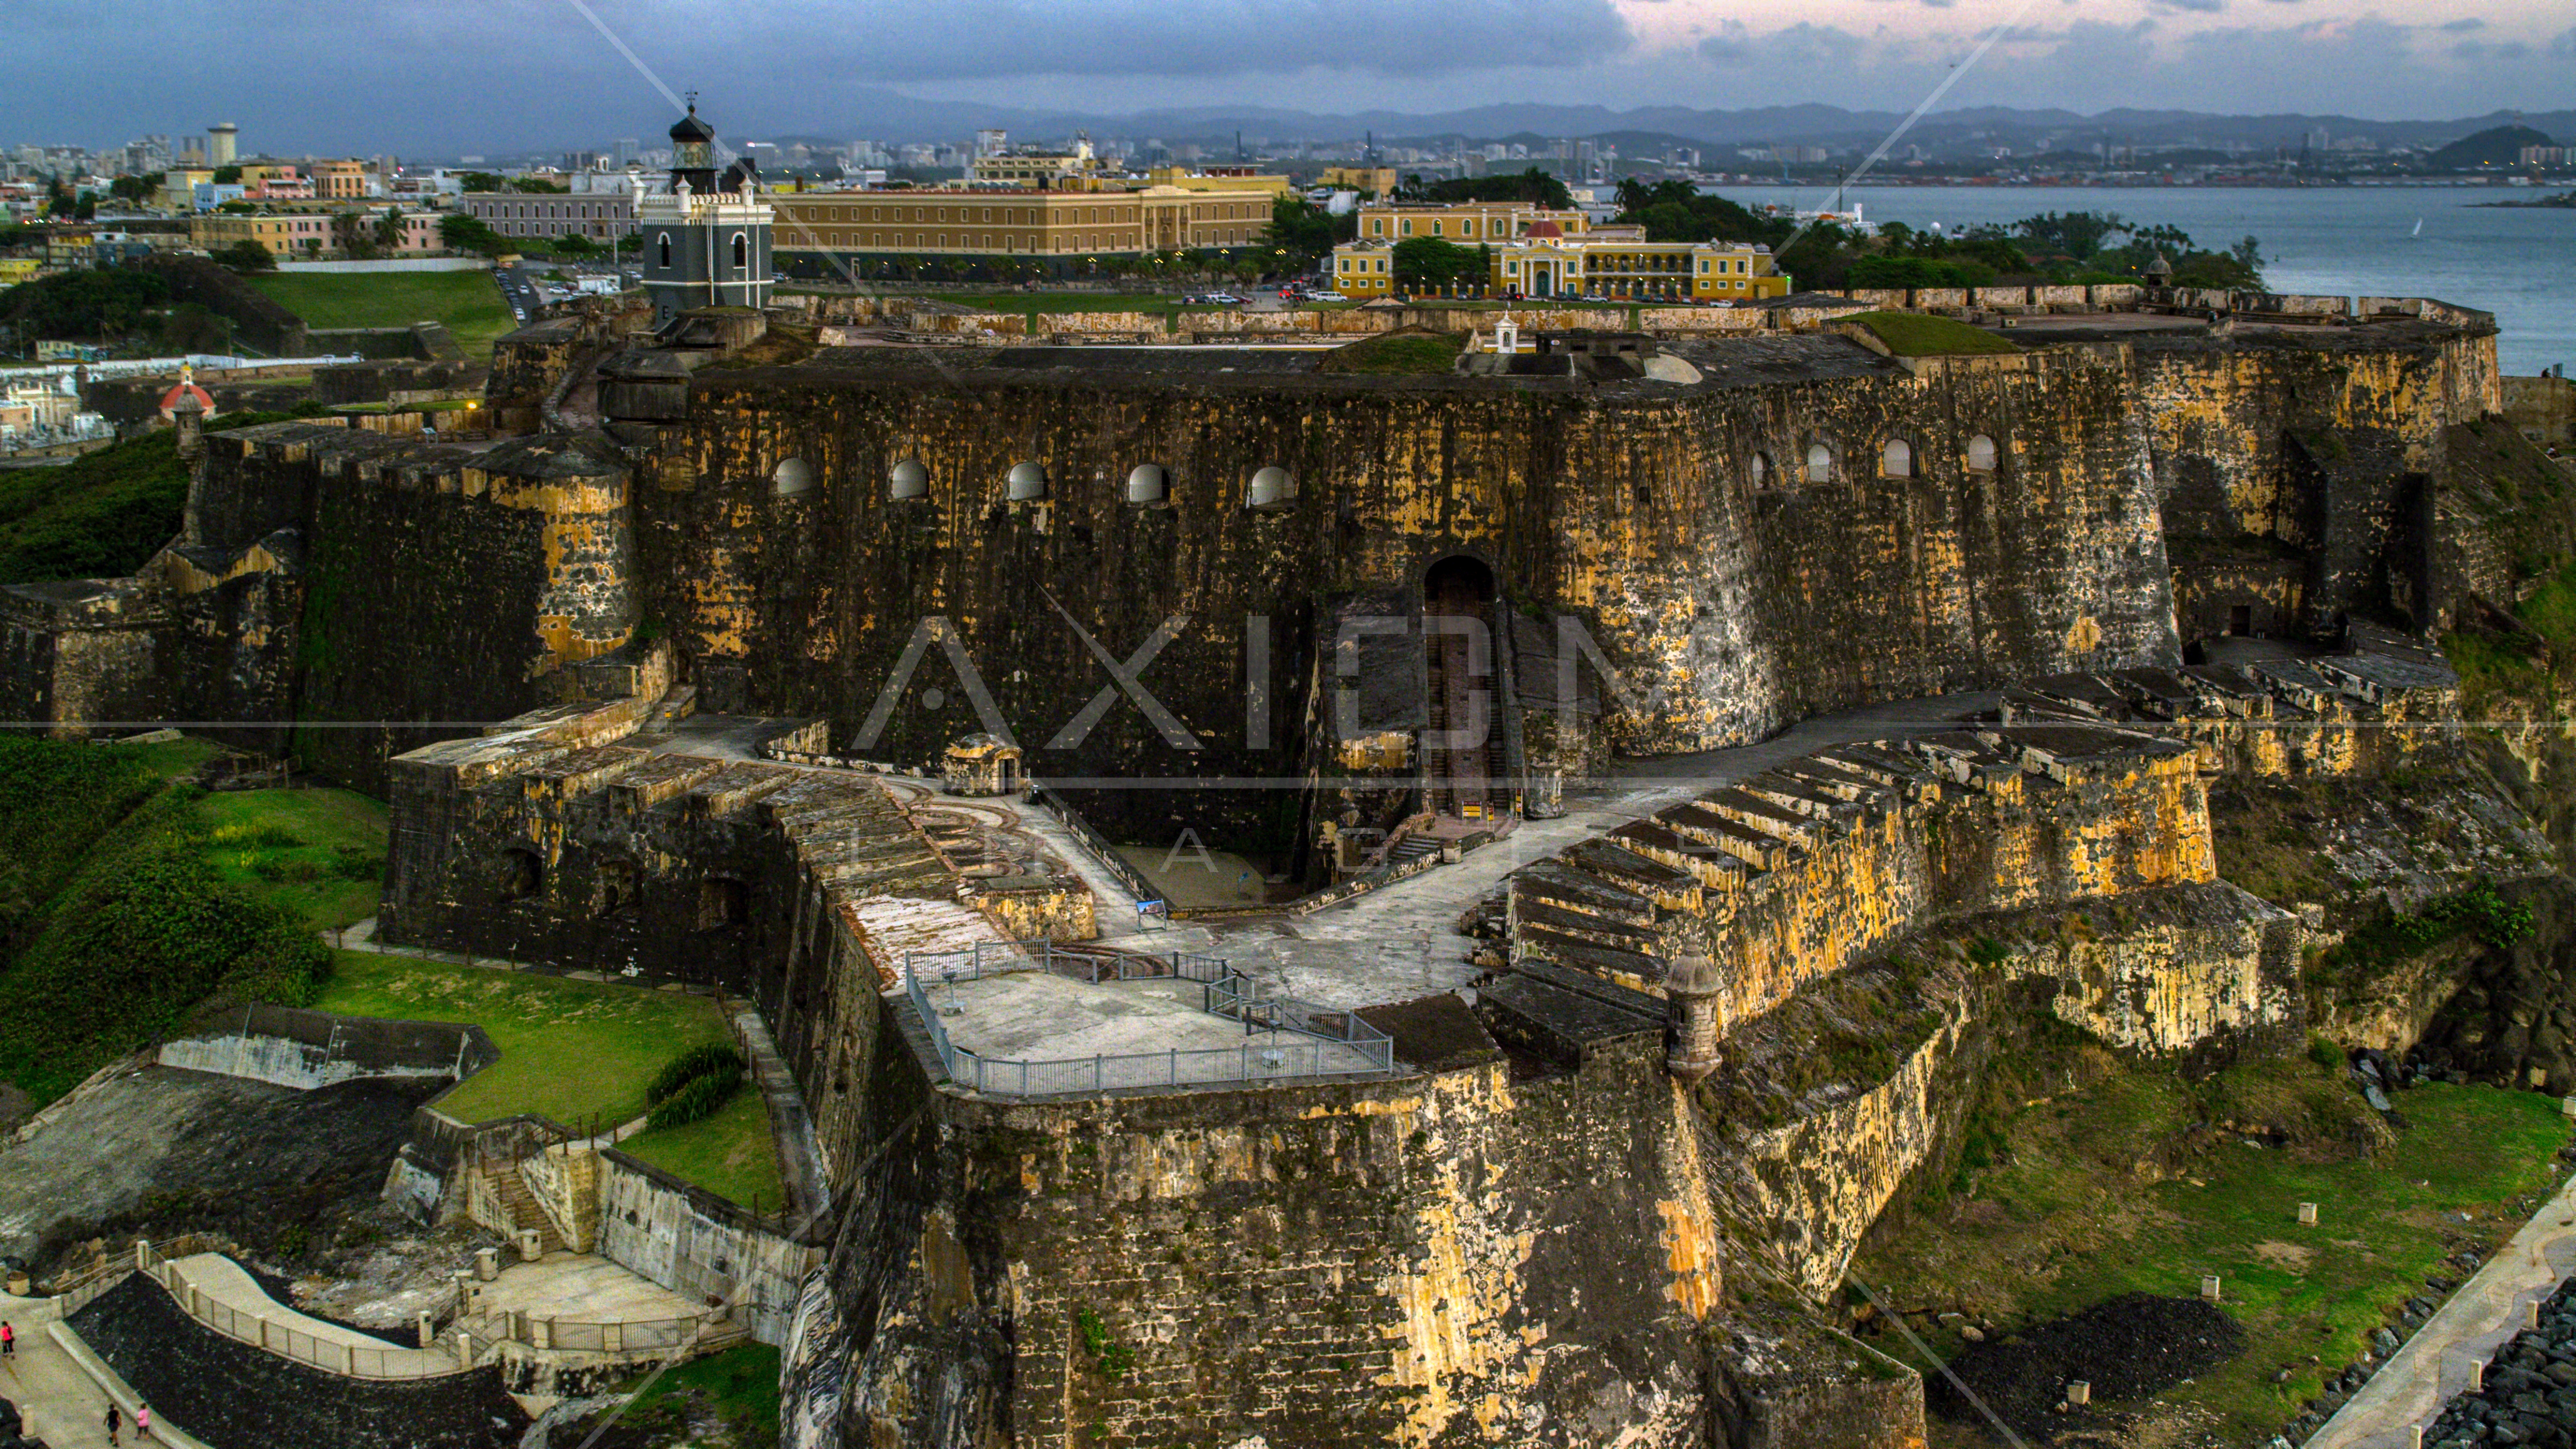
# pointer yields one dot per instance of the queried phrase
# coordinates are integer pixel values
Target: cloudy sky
(443, 75)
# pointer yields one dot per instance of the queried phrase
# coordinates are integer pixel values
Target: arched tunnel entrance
(1461, 746)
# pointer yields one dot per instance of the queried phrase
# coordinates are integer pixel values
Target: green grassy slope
(467, 302)
(99, 516)
(125, 920)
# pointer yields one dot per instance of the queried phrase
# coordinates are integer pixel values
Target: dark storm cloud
(427, 72)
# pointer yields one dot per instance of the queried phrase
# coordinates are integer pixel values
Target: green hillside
(467, 302)
(98, 516)
(132, 898)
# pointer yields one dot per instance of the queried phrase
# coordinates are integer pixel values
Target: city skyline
(538, 74)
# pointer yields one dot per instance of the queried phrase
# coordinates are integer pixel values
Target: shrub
(356, 862)
(2324, 1053)
(689, 1065)
(702, 1097)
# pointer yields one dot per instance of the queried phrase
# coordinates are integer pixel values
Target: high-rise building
(222, 143)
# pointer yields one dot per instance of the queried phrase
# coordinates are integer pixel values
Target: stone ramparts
(2090, 787)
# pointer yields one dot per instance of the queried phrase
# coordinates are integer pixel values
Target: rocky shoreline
(2528, 1395)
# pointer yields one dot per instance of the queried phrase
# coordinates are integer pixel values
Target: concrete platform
(1039, 1016)
(581, 1288)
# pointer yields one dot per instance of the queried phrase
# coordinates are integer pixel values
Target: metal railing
(1283, 1037)
(332, 1355)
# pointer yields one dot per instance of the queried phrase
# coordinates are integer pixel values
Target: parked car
(1224, 299)
(1326, 297)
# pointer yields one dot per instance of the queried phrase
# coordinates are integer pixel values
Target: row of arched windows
(1896, 459)
(1027, 482)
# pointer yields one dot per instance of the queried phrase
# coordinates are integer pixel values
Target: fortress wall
(1359, 1264)
(439, 586)
(81, 651)
(1743, 607)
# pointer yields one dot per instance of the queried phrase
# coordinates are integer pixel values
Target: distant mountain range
(887, 115)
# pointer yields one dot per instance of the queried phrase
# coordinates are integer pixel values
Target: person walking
(8, 1340)
(142, 1423)
(115, 1422)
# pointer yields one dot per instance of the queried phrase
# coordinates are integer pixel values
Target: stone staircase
(519, 1205)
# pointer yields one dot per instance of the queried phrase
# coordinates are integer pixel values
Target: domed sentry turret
(693, 153)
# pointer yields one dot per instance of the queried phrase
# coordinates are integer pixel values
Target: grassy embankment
(98, 516)
(127, 899)
(2135, 1181)
(577, 1052)
(729, 1399)
(1920, 334)
(467, 302)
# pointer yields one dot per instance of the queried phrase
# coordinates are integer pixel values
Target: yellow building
(1011, 224)
(14, 270)
(294, 234)
(1375, 180)
(179, 188)
(1074, 170)
(1607, 270)
(1468, 222)
(1220, 178)
(339, 180)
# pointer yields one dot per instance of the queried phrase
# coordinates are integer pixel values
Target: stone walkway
(221, 1279)
(2488, 1309)
(50, 1387)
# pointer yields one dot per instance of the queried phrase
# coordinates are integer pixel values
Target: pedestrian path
(227, 1283)
(65, 1389)
(2487, 1310)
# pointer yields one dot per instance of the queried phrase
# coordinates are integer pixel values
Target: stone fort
(1442, 1142)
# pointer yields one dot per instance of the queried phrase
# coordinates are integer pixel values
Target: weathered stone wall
(82, 656)
(438, 587)
(1731, 609)
(1805, 869)
(1397, 1262)
(700, 1246)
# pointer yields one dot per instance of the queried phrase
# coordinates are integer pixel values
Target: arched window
(620, 886)
(793, 477)
(1981, 454)
(1761, 470)
(907, 479)
(664, 249)
(1148, 483)
(1027, 481)
(1896, 460)
(1271, 485)
(1820, 463)
(741, 252)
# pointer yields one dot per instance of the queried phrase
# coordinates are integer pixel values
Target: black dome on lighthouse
(690, 128)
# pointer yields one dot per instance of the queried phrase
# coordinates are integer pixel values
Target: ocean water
(2518, 263)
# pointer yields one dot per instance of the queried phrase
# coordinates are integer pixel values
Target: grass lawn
(468, 302)
(730, 1153)
(572, 1050)
(2062, 1218)
(739, 1385)
(1916, 334)
(320, 851)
